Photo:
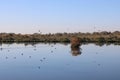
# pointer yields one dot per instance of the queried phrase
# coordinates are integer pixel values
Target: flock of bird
(9, 49)
(34, 48)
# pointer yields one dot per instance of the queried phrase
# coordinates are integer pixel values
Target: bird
(38, 67)
(51, 51)
(22, 54)
(44, 58)
(8, 50)
(41, 60)
(29, 56)
(6, 57)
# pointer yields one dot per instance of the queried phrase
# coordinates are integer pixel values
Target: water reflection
(76, 51)
(35, 43)
(27, 61)
(102, 43)
(1, 49)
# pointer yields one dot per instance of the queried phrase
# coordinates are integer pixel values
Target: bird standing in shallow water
(29, 56)
(22, 54)
(6, 57)
(41, 60)
(38, 67)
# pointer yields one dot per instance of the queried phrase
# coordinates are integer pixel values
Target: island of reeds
(103, 36)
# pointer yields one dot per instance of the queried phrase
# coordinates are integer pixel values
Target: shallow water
(59, 62)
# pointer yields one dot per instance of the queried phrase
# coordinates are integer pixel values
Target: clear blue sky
(29, 16)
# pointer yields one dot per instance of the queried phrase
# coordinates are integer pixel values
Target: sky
(52, 16)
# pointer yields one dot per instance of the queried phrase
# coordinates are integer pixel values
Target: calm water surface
(59, 62)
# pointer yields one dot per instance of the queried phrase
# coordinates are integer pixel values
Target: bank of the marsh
(61, 37)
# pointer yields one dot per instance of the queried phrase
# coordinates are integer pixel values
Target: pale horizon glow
(52, 16)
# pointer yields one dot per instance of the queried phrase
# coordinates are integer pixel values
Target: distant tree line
(103, 36)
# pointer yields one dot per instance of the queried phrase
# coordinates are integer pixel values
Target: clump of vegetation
(75, 42)
(104, 37)
(75, 46)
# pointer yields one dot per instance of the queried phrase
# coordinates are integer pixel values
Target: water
(59, 62)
